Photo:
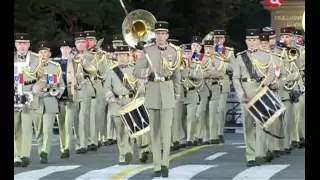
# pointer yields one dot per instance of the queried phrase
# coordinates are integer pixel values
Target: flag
(18, 79)
(218, 48)
(52, 78)
(276, 70)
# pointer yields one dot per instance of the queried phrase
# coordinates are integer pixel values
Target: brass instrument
(54, 91)
(293, 54)
(209, 36)
(138, 26)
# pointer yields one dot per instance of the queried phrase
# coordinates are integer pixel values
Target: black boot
(251, 163)
(221, 139)
(269, 156)
(214, 141)
(65, 154)
(144, 157)
(17, 164)
(164, 171)
(25, 162)
(43, 158)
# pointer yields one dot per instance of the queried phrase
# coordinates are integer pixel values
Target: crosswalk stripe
(238, 143)
(186, 172)
(105, 173)
(241, 147)
(40, 173)
(215, 156)
(263, 172)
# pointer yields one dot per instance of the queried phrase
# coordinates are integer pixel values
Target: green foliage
(57, 19)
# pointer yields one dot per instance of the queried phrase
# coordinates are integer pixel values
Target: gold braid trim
(32, 74)
(177, 63)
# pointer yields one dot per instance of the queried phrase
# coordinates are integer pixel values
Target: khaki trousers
(81, 123)
(111, 131)
(123, 143)
(222, 111)
(212, 122)
(191, 121)
(43, 126)
(23, 133)
(103, 124)
(93, 123)
(65, 122)
(201, 117)
(288, 123)
(160, 126)
(143, 143)
(177, 122)
(301, 121)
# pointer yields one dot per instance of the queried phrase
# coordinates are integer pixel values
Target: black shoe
(78, 151)
(144, 158)
(260, 160)
(17, 164)
(183, 145)
(94, 147)
(83, 151)
(276, 154)
(176, 146)
(99, 144)
(269, 156)
(189, 143)
(287, 151)
(43, 158)
(221, 138)
(195, 143)
(114, 141)
(281, 153)
(206, 143)
(302, 143)
(65, 154)
(157, 174)
(294, 144)
(164, 171)
(128, 157)
(251, 163)
(214, 141)
(200, 141)
(25, 162)
(108, 142)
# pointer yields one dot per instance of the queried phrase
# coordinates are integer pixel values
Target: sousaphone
(137, 26)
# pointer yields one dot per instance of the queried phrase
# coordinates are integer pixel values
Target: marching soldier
(97, 103)
(227, 55)
(162, 89)
(33, 81)
(49, 106)
(212, 82)
(65, 122)
(85, 70)
(275, 144)
(248, 76)
(118, 93)
(202, 90)
(288, 86)
(176, 123)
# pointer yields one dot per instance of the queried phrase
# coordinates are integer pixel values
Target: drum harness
(253, 74)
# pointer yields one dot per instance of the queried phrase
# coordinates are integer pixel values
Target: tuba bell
(137, 26)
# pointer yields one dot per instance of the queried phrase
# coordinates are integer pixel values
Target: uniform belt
(251, 80)
(29, 82)
(189, 89)
(88, 77)
(214, 83)
(124, 96)
(162, 79)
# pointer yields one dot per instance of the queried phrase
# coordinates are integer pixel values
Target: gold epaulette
(229, 48)
(177, 48)
(149, 45)
(113, 66)
(35, 54)
(239, 53)
(54, 63)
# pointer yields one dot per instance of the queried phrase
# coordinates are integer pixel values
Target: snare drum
(135, 117)
(265, 107)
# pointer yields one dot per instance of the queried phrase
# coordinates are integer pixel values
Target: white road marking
(40, 173)
(264, 172)
(215, 156)
(105, 173)
(238, 143)
(241, 147)
(186, 172)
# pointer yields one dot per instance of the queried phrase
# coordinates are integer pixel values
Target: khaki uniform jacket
(229, 58)
(50, 103)
(262, 58)
(32, 71)
(114, 87)
(160, 95)
(217, 73)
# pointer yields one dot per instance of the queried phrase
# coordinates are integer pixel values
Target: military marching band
(151, 92)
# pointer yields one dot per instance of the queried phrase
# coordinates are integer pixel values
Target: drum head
(131, 106)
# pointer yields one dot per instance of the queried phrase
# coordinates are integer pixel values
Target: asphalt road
(220, 162)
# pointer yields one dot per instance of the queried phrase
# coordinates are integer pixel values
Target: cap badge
(21, 37)
(251, 33)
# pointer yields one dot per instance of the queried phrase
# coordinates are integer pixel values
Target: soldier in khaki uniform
(117, 40)
(29, 65)
(85, 72)
(119, 93)
(97, 103)
(48, 101)
(216, 74)
(287, 88)
(277, 145)
(227, 56)
(65, 123)
(177, 119)
(247, 82)
(162, 90)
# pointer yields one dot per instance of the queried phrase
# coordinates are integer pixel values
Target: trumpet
(54, 91)
(293, 54)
